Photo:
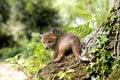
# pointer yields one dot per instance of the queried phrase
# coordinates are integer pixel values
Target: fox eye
(43, 42)
(49, 41)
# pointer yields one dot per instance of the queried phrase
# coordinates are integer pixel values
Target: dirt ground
(9, 73)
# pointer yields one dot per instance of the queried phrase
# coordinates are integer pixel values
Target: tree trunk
(111, 25)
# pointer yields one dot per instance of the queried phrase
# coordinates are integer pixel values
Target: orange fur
(60, 45)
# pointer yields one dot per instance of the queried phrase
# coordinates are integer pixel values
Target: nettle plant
(31, 65)
(103, 62)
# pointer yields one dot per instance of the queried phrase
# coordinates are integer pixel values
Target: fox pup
(60, 45)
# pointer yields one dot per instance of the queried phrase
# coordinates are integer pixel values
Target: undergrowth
(40, 57)
(81, 31)
(104, 63)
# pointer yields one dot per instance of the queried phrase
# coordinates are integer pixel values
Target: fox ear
(41, 34)
(54, 31)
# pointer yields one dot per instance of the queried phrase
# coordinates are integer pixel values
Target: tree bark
(113, 23)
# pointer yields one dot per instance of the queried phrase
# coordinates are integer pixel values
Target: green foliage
(9, 52)
(34, 13)
(37, 61)
(81, 31)
(100, 8)
(83, 9)
(31, 66)
(4, 11)
(101, 41)
(65, 75)
(13, 60)
(24, 47)
(4, 42)
(37, 57)
(19, 18)
(103, 63)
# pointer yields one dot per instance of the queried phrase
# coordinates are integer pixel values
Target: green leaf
(94, 49)
(69, 70)
(81, 30)
(104, 39)
(61, 75)
(68, 77)
(13, 60)
(115, 66)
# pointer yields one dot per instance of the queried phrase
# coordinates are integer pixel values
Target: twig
(23, 71)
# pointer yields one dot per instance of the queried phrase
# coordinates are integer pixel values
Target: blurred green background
(22, 20)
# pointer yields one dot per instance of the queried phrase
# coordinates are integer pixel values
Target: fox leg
(76, 51)
(55, 55)
(59, 56)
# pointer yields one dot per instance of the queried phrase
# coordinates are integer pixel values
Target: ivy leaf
(94, 49)
(115, 65)
(104, 39)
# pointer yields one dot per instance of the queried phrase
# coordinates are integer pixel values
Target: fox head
(49, 39)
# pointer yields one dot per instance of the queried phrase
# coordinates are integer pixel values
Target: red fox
(60, 45)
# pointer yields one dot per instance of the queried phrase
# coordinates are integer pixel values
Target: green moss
(68, 61)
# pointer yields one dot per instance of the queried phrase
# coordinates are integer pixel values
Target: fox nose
(46, 47)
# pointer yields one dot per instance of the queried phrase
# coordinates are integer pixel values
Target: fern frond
(81, 31)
